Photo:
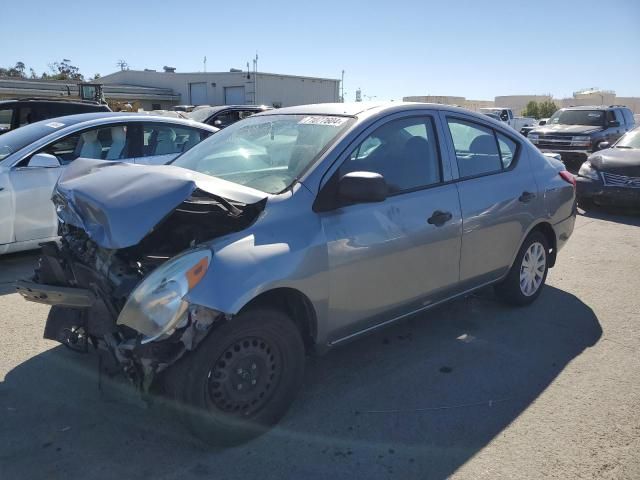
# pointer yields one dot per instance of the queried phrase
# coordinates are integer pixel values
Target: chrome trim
(623, 181)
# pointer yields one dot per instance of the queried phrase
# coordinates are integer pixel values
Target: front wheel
(528, 273)
(241, 379)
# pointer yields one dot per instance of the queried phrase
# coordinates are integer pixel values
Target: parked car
(227, 267)
(225, 115)
(611, 176)
(538, 123)
(33, 157)
(17, 113)
(576, 132)
(505, 115)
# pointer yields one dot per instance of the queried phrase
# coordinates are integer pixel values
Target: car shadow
(14, 266)
(416, 400)
(625, 216)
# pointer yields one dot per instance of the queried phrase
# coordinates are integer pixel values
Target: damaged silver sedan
(288, 233)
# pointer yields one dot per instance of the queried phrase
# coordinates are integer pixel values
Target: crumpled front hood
(118, 204)
(566, 129)
(621, 161)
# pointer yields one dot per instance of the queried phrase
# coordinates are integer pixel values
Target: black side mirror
(603, 145)
(362, 187)
(542, 122)
(614, 123)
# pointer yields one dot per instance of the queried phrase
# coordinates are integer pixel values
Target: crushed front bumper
(601, 194)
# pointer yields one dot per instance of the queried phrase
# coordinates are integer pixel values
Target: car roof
(369, 108)
(57, 101)
(593, 107)
(95, 117)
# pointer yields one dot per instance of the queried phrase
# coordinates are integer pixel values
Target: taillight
(568, 177)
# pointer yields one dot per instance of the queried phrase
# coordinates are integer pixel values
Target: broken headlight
(157, 306)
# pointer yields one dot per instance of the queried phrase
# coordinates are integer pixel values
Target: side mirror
(43, 160)
(603, 145)
(614, 123)
(363, 187)
(504, 117)
(542, 122)
(217, 123)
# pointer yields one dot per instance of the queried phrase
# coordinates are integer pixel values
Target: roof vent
(169, 69)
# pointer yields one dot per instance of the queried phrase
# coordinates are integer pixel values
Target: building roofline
(147, 72)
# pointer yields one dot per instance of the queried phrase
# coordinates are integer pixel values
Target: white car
(33, 157)
(505, 115)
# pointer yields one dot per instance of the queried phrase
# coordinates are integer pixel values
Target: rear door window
(168, 139)
(480, 150)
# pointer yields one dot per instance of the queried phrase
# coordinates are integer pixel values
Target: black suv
(224, 115)
(17, 113)
(576, 132)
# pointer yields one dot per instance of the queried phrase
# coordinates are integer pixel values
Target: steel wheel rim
(532, 269)
(244, 377)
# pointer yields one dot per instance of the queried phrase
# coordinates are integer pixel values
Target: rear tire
(528, 273)
(241, 379)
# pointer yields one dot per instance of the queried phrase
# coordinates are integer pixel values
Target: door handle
(526, 197)
(439, 218)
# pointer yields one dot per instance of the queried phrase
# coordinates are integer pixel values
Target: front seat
(166, 142)
(91, 146)
(414, 168)
(118, 143)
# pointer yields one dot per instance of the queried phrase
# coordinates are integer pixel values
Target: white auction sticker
(323, 120)
(54, 124)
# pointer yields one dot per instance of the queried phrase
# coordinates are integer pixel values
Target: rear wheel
(526, 278)
(242, 378)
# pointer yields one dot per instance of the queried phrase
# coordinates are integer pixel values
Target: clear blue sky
(477, 49)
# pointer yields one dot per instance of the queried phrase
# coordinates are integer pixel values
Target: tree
(64, 71)
(532, 110)
(547, 108)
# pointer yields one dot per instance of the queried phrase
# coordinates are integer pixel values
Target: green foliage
(531, 110)
(547, 108)
(63, 70)
(540, 110)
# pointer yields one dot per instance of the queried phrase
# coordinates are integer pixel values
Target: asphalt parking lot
(471, 390)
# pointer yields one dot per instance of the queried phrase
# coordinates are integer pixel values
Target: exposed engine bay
(88, 284)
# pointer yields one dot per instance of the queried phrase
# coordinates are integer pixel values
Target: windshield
(628, 140)
(267, 152)
(14, 140)
(594, 118)
(201, 114)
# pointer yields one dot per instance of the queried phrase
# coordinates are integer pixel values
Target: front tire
(528, 273)
(241, 379)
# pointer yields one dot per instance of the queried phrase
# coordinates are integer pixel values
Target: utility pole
(255, 79)
(342, 88)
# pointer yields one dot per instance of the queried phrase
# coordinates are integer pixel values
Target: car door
(399, 255)
(163, 142)
(35, 216)
(498, 197)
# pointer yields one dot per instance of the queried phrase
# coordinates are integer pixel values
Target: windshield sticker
(322, 120)
(54, 124)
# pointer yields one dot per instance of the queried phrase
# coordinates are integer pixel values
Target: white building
(228, 88)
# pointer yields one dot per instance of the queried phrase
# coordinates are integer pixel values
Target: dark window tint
(26, 115)
(403, 151)
(476, 148)
(628, 117)
(6, 116)
(225, 119)
(167, 140)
